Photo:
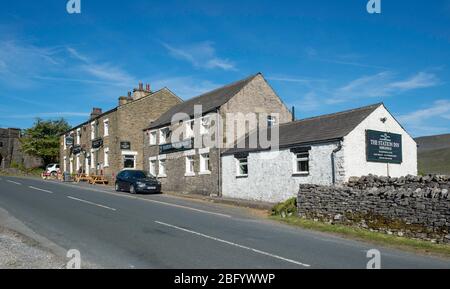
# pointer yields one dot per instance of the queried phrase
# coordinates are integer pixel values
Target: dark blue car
(136, 181)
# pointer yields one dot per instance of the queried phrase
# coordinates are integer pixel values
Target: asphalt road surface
(117, 230)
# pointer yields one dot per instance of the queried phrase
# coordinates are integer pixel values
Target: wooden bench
(83, 177)
(98, 180)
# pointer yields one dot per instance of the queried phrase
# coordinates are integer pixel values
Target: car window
(138, 174)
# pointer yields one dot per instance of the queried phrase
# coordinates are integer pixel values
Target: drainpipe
(219, 145)
(333, 162)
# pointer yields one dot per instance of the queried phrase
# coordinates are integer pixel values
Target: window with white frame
(77, 167)
(242, 166)
(106, 158)
(65, 164)
(71, 166)
(106, 127)
(65, 145)
(204, 128)
(190, 165)
(92, 130)
(152, 167)
(301, 165)
(78, 136)
(162, 168)
(164, 135)
(152, 136)
(92, 159)
(204, 163)
(189, 128)
(271, 121)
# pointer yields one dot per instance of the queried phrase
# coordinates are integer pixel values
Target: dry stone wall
(417, 207)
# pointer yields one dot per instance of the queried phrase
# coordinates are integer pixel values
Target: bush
(287, 208)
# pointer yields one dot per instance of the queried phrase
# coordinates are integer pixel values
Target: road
(117, 230)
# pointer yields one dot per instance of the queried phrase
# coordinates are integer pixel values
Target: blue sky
(321, 56)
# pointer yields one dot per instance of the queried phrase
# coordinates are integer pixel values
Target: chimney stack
(123, 100)
(96, 112)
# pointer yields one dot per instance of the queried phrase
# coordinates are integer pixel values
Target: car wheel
(132, 190)
(117, 187)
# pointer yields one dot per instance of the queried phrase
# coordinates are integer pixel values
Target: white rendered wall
(354, 147)
(270, 174)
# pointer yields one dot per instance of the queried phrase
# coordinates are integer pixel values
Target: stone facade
(417, 207)
(11, 153)
(123, 124)
(255, 97)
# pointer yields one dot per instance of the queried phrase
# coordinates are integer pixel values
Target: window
(271, 121)
(71, 166)
(301, 163)
(93, 130)
(92, 159)
(152, 140)
(106, 158)
(204, 128)
(164, 135)
(78, 136)
(189, 129)
(106, 127)
(190, 165)
(65, 164)
(242, 166)
(1, 144)
(153, 167)
(162, 168)
(204, 163)
(78, 167)
(129, 161)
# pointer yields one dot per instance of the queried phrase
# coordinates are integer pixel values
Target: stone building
(10, 147)
(183, 146)
(111, 141)
(323, 150)
(11, 151)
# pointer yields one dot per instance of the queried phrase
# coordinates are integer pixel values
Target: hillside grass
(434, 161)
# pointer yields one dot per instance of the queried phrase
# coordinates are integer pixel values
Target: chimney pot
(96, 112)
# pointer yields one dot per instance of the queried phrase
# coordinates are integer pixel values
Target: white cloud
(200, 55)
(185, 87)
(103, 71)
(420, 80)
(423, 121)
(381, 84)
(47, 115)
(20, 62)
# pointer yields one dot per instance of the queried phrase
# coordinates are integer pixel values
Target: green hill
(434, 154)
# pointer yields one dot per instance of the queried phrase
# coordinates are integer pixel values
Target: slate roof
(209, 101)
(318, 129)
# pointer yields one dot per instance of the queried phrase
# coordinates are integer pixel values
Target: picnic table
(98, 180)
(82, 177)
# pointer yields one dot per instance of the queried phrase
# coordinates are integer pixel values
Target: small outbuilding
(323, 150)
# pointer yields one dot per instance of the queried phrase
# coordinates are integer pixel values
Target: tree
(42, 140)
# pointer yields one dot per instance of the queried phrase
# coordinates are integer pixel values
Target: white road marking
(234, 244)
(91, 203)
(188, 208)
(42, 190)
(13, 182)
(152, 201)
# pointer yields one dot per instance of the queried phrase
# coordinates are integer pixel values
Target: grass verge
(417, 246)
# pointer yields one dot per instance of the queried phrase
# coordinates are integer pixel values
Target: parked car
(136, 181)
(52, 169)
